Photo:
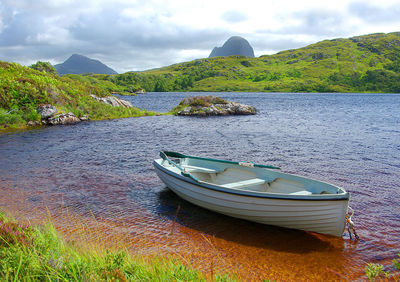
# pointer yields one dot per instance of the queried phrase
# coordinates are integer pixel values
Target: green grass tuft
(38, 253)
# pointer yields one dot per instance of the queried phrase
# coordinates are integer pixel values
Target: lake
(100, 174)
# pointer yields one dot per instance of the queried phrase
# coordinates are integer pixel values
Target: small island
(211, 106)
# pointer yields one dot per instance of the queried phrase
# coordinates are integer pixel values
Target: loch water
(101, 171)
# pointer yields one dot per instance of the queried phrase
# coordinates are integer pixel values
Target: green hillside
(22, 89)
(369, 63)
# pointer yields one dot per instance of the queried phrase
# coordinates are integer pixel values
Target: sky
(134, 35)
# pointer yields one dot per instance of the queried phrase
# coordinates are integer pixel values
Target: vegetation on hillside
(38, 253)
(369, 63)
(22, 89)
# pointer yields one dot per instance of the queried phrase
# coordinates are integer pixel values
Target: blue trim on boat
(334, 197)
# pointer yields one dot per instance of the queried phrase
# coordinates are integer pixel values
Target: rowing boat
(255, 192)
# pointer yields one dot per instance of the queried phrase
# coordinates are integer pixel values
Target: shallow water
(103, 170)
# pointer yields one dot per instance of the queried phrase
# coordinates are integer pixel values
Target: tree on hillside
(44, 66)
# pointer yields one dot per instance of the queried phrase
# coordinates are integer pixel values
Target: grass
(38, 253)
(22, 89)
(376, 271)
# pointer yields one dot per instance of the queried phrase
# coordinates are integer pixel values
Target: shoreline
(21, 128)
(41, 251)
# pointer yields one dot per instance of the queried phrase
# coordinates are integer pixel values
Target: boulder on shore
(113, 101)
(211, 106)
(48, 117)
(33, 123)
(62, 119)
(140, 91)
(46, 110)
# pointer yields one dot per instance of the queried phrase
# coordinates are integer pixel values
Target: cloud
(234, 16)
(375, 13)
(124, 40)
(313, 23)
(143, 34)
(320, 22)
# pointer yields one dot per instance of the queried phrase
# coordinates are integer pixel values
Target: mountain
(78, 64)
(235, 45)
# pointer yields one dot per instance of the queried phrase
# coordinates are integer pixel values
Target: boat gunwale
(254, 194)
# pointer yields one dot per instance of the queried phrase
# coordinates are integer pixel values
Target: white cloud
(142, 34)
(234, 16)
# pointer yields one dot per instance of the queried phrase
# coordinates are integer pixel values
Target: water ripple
(104, 170)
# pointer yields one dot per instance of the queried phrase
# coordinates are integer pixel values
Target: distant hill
(235, 45)
(78, 64)
(368, 63)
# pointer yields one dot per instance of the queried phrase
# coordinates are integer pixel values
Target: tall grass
(37, 253)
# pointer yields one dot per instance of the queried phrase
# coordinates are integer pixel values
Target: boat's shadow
(242, 231)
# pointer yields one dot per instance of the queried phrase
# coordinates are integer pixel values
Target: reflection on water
(102, 172)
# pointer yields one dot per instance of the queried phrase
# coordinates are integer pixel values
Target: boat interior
(234, 176)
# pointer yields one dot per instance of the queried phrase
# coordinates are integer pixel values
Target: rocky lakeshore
(36, 95)
(50, 116)
(211, 106)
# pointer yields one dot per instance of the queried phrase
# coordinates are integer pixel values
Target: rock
(46, 110)
(113, 101)
(185, 111)
(63, 119)
(84, 118)
(140, 91)
(212, 106)
(33, 123)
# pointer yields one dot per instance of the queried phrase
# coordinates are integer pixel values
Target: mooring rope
(350, 224)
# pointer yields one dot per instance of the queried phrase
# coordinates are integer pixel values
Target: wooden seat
(190, 168)
(244, 183)
(304, 193)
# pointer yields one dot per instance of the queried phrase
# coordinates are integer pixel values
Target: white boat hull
(322, 216)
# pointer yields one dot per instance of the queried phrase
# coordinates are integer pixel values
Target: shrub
(374, 271)
(396, 262)
(202, 101)
(44, 67)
